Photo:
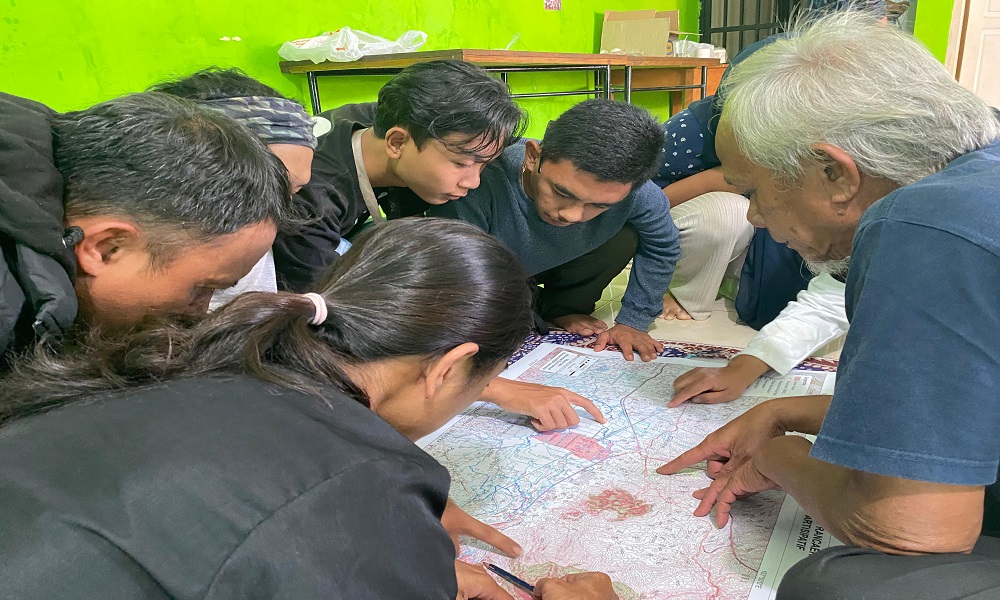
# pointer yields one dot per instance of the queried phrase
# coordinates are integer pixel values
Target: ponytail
(412, 287)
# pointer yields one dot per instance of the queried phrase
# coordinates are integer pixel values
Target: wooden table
(505, 62)
(646, 75)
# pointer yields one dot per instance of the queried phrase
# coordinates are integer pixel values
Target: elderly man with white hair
(851, 140)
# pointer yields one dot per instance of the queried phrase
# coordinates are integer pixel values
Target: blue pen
(511, 578)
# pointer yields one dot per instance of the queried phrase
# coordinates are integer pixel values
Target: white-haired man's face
(816, 216)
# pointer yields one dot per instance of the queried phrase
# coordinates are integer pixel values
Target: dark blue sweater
(500, 207)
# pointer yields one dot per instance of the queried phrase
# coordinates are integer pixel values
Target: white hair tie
(319, 317)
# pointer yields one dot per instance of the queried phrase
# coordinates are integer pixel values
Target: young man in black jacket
(140, 205)
(435, 127)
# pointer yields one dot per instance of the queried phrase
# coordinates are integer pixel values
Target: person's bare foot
(584, 325)
(673, 310)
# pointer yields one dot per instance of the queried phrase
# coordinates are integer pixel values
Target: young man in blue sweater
(569, 205)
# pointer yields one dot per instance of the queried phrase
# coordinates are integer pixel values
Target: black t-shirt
(363, 113)
(335, 208)
(219, 488)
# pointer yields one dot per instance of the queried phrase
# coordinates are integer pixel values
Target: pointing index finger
(685, 392)
(691, 457)
(589, 406)
(494, 537)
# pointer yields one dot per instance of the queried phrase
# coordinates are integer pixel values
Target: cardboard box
(640, 32)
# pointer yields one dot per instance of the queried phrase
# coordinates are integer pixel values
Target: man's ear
(840, 175)
(450, 368)
(103, 243)
(395, 139)
(532, 155)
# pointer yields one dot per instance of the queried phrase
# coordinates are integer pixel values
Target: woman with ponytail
(264, 451)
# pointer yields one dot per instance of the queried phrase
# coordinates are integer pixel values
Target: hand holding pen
(578, 586)
(474, 583)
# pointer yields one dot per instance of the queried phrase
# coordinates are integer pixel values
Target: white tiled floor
(722, 328)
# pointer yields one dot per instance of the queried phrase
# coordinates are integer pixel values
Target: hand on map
(475, 583)
(712, 385)
(729, 453)
(584, 325)
(728, 487)
(578, 586)
(727, 448)
(629, 339)
(458, 522)
(548, 407)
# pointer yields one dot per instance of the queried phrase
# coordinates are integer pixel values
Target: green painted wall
(932, 25)
(72, 53)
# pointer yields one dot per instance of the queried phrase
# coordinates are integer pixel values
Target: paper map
(588, 498)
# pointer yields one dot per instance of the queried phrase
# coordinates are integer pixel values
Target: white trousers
(714, 235)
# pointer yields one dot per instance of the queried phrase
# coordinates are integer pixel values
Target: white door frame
(956, 37)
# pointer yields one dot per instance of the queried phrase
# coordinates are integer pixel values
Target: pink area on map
(579, 445)
(618, 501)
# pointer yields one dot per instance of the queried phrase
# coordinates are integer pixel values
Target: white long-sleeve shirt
(814, 319)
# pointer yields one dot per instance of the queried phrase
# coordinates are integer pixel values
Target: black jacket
(220, 488)
(38, 266)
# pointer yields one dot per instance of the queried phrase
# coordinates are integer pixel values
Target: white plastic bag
(697, 50)
(345, 45)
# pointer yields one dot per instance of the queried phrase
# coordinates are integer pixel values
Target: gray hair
(871, 90)
(184, 172)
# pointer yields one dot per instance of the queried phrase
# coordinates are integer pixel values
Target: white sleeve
(814, 319)
(261, 278)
